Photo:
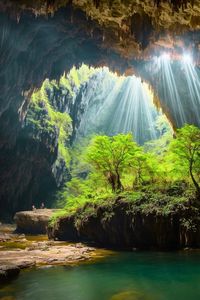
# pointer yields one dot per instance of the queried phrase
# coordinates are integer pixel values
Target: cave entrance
(102, 102)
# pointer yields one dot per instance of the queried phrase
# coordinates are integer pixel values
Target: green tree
(186, 148)
(138, 165)
(111, 156)
(145, 167)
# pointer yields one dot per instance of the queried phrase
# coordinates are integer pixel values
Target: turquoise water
(124, 276)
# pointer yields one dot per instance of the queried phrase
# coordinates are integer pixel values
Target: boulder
(33, 222)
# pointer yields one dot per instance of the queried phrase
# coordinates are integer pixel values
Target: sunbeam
(134, 111)
(193, 85)
(187, 58)
(169, 88)
(120, 105)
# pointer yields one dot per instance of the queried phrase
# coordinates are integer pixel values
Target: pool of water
(123, 276)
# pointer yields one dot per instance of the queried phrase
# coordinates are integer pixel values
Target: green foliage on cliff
(44, 119)
(46, 116)
(69, 82)
(152, 180)
(79, 76)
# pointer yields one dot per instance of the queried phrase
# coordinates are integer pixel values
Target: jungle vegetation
(104, 168)
(165, 170)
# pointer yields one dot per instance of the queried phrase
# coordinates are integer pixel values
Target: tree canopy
(186, 149)
(106, 165)
(111, 156)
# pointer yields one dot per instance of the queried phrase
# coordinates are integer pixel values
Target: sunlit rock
(129, 295)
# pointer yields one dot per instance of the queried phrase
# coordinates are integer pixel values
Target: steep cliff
(38, 163)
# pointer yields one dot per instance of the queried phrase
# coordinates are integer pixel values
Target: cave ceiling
(41, 39)
(135, 29)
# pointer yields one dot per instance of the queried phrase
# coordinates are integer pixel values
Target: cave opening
(148, 98)
(64, 114)
(89, 101)
(99, 133)
(102, 102)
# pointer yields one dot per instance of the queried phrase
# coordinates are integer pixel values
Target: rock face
(129, 27)
(124, 228)
(33, 222)
(8, 272)
(31, 161)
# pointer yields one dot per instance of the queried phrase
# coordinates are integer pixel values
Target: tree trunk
(119, 184)
(194, 181)
(111, 180)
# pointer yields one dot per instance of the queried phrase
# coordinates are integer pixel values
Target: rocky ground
(18, 251)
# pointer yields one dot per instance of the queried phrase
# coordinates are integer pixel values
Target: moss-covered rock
(145, 221)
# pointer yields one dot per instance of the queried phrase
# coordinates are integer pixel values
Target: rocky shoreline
(18, 252)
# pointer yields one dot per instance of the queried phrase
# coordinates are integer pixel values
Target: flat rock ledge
(33, 222)
(40, 254)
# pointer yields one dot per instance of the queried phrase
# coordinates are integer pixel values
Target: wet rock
(8, 272)
(45, 255)
(23, 264)
(129, 295)
(5, 237)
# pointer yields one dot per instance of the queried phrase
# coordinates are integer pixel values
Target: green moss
(135, 202)
(56, 215)
(79, 76)
(65, 84)
(13, 245)
(43, 118)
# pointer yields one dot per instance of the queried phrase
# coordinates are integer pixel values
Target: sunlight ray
(120, 105)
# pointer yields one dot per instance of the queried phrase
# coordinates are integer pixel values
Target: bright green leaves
(111, 156)
(186, 145)
(186, 152)
(111, 153)
(108, 165)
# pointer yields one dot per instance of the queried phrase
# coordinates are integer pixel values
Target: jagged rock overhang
(134, 29)
(42, 39)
